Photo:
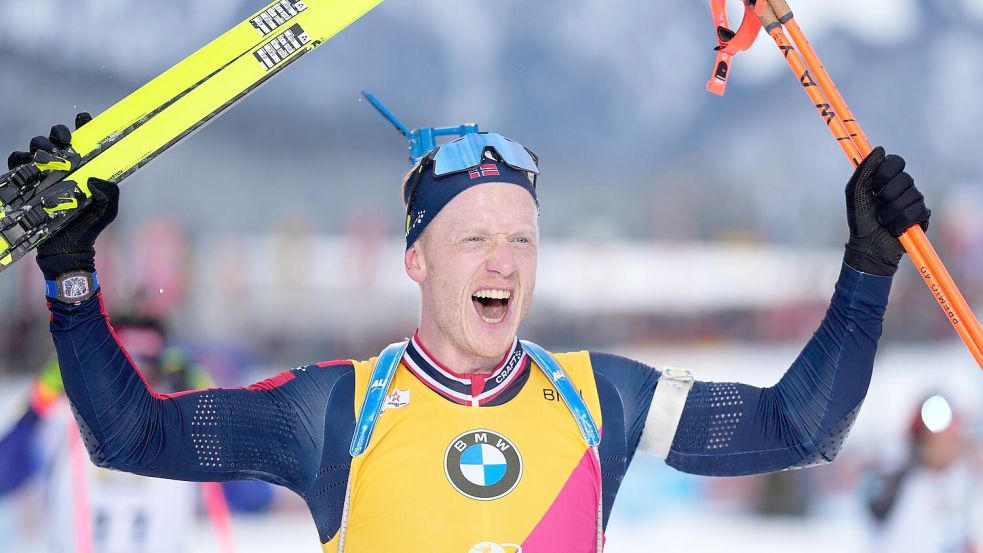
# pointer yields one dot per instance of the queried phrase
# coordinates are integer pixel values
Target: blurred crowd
(658, 232)
(284, 297)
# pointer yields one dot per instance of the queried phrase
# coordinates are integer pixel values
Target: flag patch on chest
(482, 465)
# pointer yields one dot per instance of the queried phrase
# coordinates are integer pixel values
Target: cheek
(450, 283)
(528, 264)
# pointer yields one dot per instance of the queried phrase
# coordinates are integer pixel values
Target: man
(466, 438)
(929, 502)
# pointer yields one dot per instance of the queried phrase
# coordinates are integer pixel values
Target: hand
(882, 202)
(56, 147)
(72, 248)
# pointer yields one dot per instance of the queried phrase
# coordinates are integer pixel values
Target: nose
(501, 260)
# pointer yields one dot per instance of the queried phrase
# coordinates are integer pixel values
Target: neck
(452, 357)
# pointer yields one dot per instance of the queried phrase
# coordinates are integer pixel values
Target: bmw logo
(482, 465)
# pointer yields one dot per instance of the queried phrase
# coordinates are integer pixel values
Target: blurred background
(679, 228)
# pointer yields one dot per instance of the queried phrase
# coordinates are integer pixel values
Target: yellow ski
(167, 87)
(168, 109)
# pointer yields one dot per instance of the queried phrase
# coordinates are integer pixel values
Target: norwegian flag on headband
(484, 170)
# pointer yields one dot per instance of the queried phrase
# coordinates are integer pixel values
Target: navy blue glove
(882, 202)
(73, 247)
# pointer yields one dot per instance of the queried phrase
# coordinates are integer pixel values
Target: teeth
(493, 294)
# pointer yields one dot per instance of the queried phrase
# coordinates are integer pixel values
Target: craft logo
(397, 399)
(492, 547)
(482, 465)
(282, 46)
(268, 20)
(513, 363)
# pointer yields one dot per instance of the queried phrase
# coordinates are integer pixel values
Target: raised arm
(731, 429)
(273, 431)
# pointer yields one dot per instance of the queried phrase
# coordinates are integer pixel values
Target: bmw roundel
(482, 464)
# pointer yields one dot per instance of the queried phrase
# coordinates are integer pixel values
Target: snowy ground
(683, 532)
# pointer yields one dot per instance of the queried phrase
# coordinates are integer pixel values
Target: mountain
(611, 95)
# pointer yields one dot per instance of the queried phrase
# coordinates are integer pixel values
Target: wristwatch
(74, 287)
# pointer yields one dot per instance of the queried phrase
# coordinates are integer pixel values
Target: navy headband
(431, 193)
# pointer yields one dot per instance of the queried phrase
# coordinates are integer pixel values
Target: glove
(72, 248)
(881, 204)
(57, 146)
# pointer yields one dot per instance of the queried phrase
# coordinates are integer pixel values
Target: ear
(415, 264)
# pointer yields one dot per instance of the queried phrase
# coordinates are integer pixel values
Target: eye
(523, 240)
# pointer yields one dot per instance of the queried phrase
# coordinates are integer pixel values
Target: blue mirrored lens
(465, 153)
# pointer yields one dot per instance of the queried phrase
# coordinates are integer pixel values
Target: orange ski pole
(824, 94)
(785, 17)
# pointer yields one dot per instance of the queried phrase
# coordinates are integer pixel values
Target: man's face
(940, 450)
(476, 265)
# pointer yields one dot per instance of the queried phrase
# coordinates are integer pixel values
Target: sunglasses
(466, 153)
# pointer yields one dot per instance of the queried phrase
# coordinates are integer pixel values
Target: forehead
(494, 205)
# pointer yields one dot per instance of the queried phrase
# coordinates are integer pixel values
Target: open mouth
(492, 305)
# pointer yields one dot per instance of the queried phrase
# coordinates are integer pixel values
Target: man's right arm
(274, 430)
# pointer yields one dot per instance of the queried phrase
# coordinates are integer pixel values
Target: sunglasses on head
(466, 153)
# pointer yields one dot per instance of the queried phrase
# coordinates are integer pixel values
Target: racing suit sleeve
(273, 431)
(732, 429)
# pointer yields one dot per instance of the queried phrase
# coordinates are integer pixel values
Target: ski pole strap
(382, 377)
(729, 42)
(555, 373)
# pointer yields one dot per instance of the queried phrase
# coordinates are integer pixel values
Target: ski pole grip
(768, 19)
(781, 9)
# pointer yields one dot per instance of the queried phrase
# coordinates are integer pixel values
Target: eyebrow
(471, 228)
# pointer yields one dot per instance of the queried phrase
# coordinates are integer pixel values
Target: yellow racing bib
(438, 476)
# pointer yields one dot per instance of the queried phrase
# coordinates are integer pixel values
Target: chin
(490, 341)
(490, 331)
(490, 344)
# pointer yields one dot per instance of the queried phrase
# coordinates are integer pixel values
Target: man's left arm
(731, 429)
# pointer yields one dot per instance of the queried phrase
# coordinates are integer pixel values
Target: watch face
(75, 287)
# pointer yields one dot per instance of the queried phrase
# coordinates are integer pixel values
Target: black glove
(72, 248)
(881, 204)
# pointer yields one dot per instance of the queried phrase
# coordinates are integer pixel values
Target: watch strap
(73, 287)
